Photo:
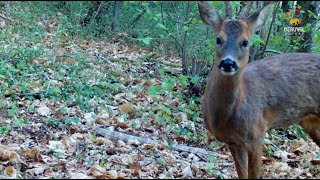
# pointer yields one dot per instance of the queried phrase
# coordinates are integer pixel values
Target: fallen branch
(7, 19)
(34, 94)
(115, 136)
(6, 177)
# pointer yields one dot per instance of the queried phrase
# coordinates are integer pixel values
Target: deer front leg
(240, 156)
(254, 160)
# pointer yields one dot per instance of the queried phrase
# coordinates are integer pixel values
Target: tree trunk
(184, 55)
(94, 12)
(115, 15)
(285, 6)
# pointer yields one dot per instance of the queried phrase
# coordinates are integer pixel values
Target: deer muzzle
(228, 67)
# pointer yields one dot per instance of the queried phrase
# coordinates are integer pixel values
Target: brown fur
(274, 92)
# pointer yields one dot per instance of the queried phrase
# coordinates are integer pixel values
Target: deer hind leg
(240, 156)
(311, 124)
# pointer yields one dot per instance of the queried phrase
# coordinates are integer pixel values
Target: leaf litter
(58, 139)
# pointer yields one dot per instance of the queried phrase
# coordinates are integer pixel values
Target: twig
(161, 9)
(47, 90)
(151, 69)
(270, 28)
(14, 81)
(167, 29)
(225, 164)
(6, 177)
(98, 10)
(114, 135)
(24, 94)
(7, 19)
(49, 81)
(32, 93)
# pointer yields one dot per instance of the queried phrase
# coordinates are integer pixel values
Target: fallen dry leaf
(80, 176)
(187, 172)
(89, 117)
(105, 176)
(73, 130)
(281, 154)
(126, 108)
(280, 166)
(148, 83)
(148, 146)
(134, 166)
(10, 171)
(122, 125)
(315, 161)
(268, 160)
(7, 155)
(34, 154)
(36, 171)
(44, 110)
(97, 170)
(69, 143)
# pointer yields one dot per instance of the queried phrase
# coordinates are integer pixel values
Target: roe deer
(243, 101)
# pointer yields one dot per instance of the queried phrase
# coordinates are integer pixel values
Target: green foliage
(162, 26)
(5, 129)
(103, 163)
(211, 165)
(72, 120)
(165, 115)
(17, 123)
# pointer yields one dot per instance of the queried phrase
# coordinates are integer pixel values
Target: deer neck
(227, 91)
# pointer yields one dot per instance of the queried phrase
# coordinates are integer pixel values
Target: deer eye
(219, 41)
(245, 43)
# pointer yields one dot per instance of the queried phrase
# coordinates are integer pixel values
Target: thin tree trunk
(115, 15)
(133, 24)
(91, 12)
(270, 29)
(184, 44)
(285, 6)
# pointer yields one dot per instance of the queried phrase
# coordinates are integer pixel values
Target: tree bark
(115, 136)
(285, 6)
(94, 12)
(184, 55)
(115, 15)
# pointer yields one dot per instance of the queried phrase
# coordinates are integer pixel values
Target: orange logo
(294, 17)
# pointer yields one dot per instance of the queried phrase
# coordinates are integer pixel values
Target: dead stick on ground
(6, 177)
(7, 19)
(114, 135)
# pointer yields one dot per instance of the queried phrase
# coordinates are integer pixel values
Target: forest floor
(105, 109)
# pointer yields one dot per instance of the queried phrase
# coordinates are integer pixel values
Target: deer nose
(228, 65)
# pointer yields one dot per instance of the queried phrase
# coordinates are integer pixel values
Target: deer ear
(209, 14)
(259, 18)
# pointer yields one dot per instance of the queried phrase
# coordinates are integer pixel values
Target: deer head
(233, 36)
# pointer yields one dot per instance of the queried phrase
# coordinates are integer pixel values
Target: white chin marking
(232, 72)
